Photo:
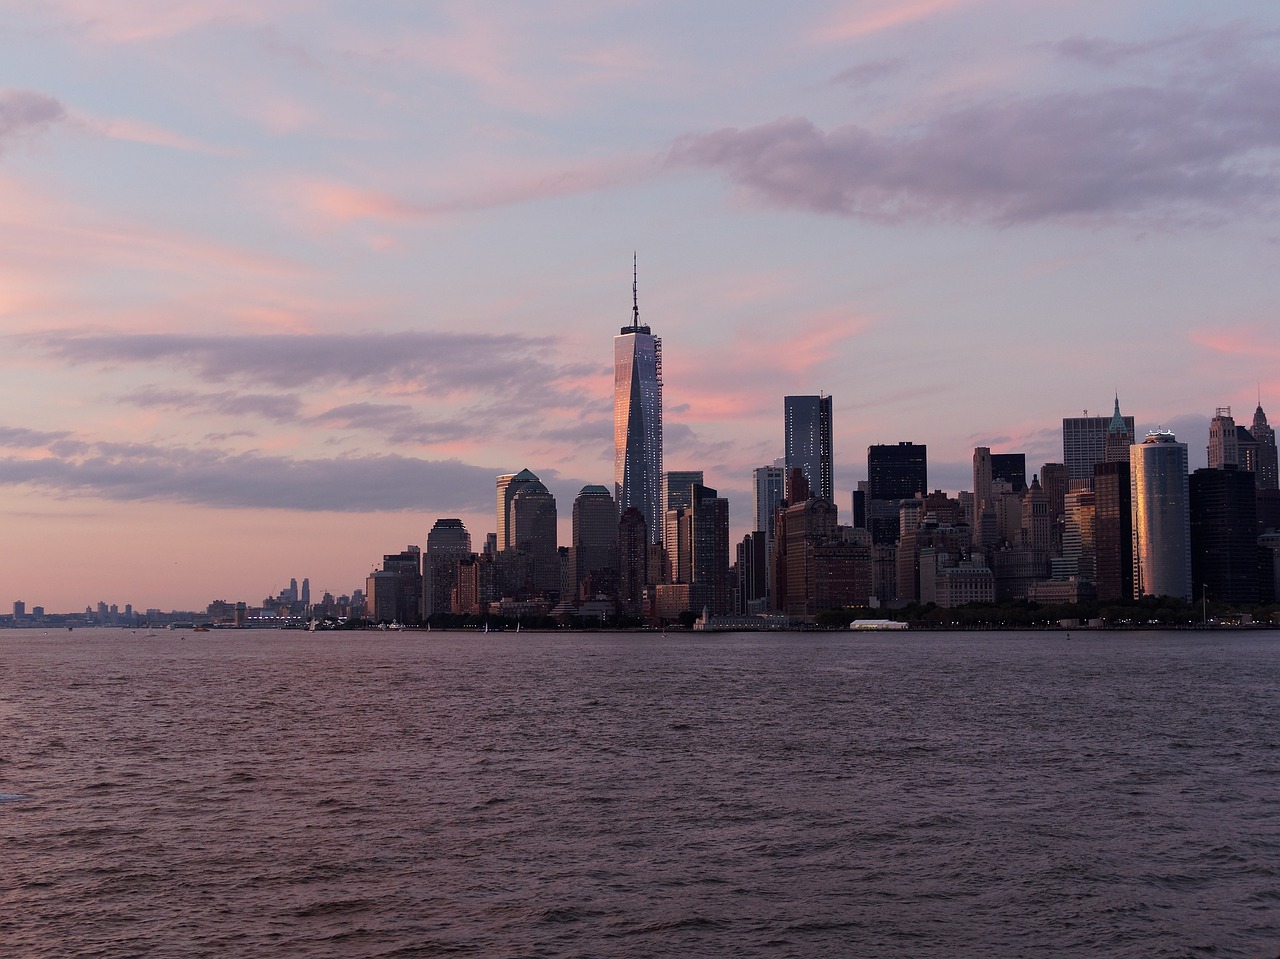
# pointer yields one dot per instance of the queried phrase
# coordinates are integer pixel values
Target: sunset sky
(282, 282)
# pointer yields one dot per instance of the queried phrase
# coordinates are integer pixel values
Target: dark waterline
(421, 794)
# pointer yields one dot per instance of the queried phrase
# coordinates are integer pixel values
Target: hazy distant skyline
(284, 282)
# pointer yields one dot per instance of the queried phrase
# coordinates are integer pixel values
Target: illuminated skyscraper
(1161, 517)
(808, 442)
(637, 420)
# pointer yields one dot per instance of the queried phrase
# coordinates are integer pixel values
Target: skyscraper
(1224, 535)
(594, 553)
(808, 442)
(1161, 517)
(532, 529)
(1113, 530)
(1084, 442)
(1223, 448)
(448, 543)
(894, 473)
(637, 419)
(1264, 436)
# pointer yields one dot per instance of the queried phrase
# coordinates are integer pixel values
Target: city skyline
(309, 305)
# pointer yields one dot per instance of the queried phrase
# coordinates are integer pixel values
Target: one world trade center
(637, 419)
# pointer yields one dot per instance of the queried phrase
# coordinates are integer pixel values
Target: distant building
(448, 544)
(532, 532)
(593, 555)
(1264, 438)
(637, 419)
(1161, 517)
(807, 442)
(1113, 530)
(894, 473)
(1224, 535)
(633, 562)
(1084, 442)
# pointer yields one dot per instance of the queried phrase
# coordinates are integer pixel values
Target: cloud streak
(140, 472)
(1180, 150)
(444, 362)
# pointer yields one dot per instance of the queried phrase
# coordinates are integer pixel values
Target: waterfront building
(709, 552)
(1113, 530)
(448, 543)
(394, 593)
(1158, 484)
(1224, 535)
(1084, 442)
(637, 419)
(633, 562)
(594, 553)
(807, 443)
(509, 484)
(532, 531)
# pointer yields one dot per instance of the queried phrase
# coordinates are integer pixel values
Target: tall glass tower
(1161, 507)
(807, 441)
(637, 419)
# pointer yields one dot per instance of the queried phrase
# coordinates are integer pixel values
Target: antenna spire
(635, 296)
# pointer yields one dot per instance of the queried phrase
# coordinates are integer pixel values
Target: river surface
(449, 794)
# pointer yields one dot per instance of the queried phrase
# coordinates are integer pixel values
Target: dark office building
(1113, 530)
(1012, 468)
(894, 473)
(1224, 535)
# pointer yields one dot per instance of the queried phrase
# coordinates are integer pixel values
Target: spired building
(1159, 489)
(808, 443)
(637, 420)
(1264, 437)
(1084, 442)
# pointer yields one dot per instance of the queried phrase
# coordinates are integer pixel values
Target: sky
(282, 282)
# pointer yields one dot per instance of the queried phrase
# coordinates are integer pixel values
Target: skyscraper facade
(1223, 448)
(637, 420)
(1265, 475)
(594, 553)
(448, 543)
(1113, 530)
(1224, 535)
(1161, 517)
(532, 530)
(894, 473)
(808, 442)
(1084, 442)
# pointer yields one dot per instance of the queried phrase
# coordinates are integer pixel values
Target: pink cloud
(883, 16)
(1241, 341)
(139, 21)
(335, 202)
(139, 131)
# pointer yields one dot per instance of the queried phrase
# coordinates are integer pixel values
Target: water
(432, 794)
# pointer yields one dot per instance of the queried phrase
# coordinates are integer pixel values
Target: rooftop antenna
(635, 297)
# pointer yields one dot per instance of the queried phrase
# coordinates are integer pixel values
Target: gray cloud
(142, 472)
(1201, 143)
(24, 112)
(449, 361)
(868, 72)
(276, 407)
